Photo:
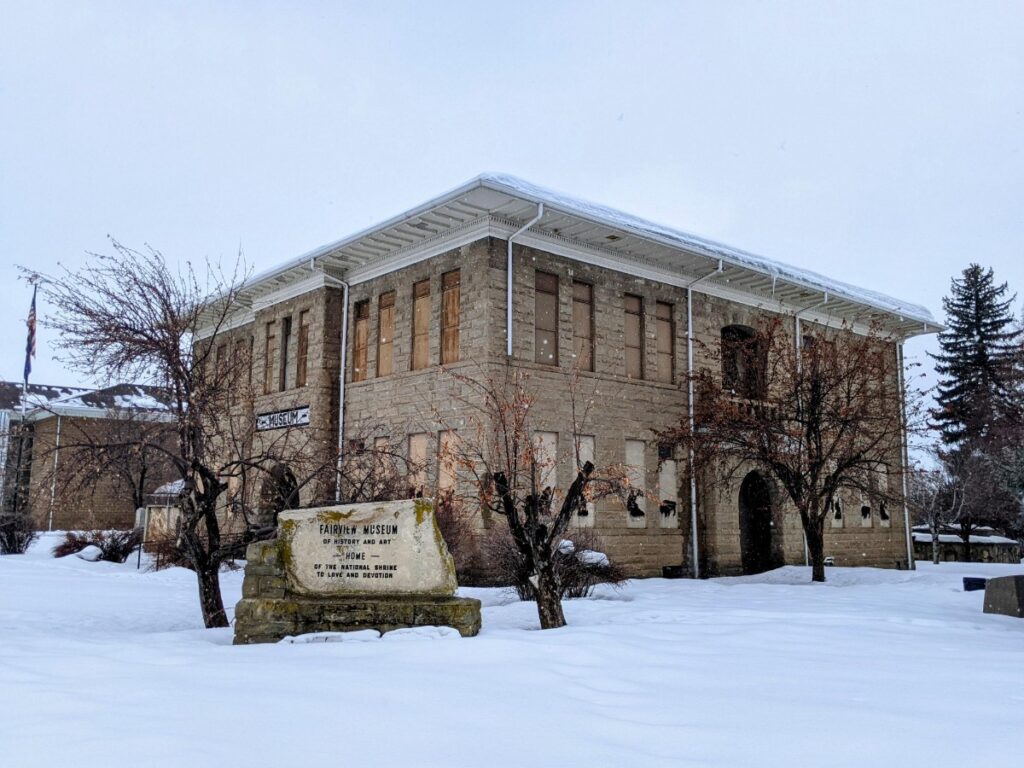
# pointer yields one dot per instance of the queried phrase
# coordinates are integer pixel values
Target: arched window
(743, 363)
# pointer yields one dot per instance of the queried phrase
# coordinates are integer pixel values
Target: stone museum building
(358, 335)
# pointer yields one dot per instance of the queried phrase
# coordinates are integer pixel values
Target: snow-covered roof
(172, 488)
(497, 204)
(951, 538)
(44, 400)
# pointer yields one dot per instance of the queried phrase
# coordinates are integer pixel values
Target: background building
(56, 482)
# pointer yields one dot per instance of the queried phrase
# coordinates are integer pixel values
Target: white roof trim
(509, 188)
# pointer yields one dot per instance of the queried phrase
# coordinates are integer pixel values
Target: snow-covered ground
(103, 665)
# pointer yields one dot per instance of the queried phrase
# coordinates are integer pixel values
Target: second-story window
(269, 360)
(302, 356)
(666, 339)
(583, 325)
(361, 341)
(420, 324)
(634, 336)
(451, 286)
(743, 362)
(385, 333)
(286, 338)
(545, 318)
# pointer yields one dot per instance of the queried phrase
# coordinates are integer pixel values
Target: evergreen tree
(976, 364)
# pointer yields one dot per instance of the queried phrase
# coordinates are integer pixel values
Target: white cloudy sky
(880, 143)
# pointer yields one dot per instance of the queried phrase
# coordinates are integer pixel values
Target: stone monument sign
(381, 565)
(1005, 595)
(375, 549)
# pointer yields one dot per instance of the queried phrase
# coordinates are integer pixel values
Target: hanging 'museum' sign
(294, 417)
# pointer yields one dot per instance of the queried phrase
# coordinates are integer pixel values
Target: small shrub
(166, 554)
(17, 531)
(457, 530)
(115, 545)
(579, 564)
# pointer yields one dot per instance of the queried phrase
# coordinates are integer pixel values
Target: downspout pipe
(53, 480)
(904, 456)
(508, 277)
(694, 548)
(341, 373)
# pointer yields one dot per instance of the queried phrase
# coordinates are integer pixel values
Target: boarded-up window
(420, 324)
(447, 461)
(419, 447)
(385, 333)
(361, 343)
(545, 337)
(583, 325)
(302, 358)
(545, 458)
(637, 476)
(269, 359)
(634, 336)
(286, 337)
(220, 361)
(584, 453)
(450, 294)
(668, 490)
(666, 338)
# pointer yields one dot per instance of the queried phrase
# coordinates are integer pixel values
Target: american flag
(30, 345)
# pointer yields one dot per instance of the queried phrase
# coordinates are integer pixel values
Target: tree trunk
(814, 531)
(210, 598)
(935, 544)
(967, 545)
(549, 604)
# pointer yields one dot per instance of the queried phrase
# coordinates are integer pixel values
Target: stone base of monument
(362, 566)
(1005, 595)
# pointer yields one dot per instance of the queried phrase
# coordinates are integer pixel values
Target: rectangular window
(286, 337)
(545, 458)
(545, 319)
(634, 336)
(585, 453)
(269, 360)
(419, 447)
(361, 341)
(447, 461)
(420, 325)
(385, 333)
(665, 334)
(668, 493)
(451, 287)
(583, 325)
(302, 357)
(637, 475)
(220, 360)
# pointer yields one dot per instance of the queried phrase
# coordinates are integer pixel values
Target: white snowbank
(766, 670)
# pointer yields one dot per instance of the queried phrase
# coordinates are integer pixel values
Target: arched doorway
(280, 491)
(756, 524)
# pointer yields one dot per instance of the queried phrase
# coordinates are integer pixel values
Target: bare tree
(936, 499)
(513, 476)
(821, 418)
(127, 316)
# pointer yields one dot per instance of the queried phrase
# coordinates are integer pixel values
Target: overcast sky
(878, 143)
